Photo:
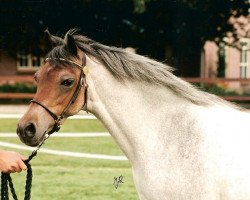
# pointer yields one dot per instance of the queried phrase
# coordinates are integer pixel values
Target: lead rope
(6, 180)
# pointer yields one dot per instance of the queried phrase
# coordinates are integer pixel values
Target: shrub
(18, 87)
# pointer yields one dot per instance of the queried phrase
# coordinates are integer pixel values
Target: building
(23, 64)
(230, 58)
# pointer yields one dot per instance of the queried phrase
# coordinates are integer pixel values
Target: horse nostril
(30, 130)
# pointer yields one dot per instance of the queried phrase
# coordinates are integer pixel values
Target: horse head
(61, 87)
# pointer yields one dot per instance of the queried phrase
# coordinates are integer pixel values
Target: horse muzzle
(27, 133)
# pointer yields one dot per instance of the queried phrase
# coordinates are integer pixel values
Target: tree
(186, 25)
(173, 30)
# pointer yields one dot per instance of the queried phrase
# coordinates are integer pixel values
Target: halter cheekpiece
(81, 82)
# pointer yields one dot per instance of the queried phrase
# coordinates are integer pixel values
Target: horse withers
(182, 143)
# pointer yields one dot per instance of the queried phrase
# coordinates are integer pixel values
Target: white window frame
(29, 66)
(245, 58)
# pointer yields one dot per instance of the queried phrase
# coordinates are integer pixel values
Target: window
(28, 62)
(23, 60)
(244, 58)
(36, 61)
(221, 70)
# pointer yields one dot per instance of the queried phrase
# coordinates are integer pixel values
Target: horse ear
(52, 40)
(70, 44)
(47, 46)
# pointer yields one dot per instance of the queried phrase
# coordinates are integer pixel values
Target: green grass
(79, 125)
(70, 125)
(8, 125)
(97, 145)
(59, 177)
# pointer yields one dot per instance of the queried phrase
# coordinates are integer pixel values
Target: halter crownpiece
(82, 79)
(69, 61)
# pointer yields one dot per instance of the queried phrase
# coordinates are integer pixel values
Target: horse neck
(137, 114)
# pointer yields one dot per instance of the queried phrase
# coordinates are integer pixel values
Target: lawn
(70, 125)
(59, 177)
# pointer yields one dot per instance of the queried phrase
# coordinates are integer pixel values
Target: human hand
(11, 162)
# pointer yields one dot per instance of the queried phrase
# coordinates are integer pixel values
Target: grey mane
(125, 65)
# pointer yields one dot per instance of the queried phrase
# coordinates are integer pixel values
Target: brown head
(60, 90)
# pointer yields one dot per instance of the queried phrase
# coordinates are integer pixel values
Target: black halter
(82, 80)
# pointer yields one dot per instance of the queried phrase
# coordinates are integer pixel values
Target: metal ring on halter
(82, 79)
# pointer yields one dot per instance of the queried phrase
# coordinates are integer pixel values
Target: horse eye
(67, 82)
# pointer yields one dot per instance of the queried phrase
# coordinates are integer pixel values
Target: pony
(182, 143)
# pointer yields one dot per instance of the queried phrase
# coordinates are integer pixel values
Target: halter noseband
(82, 79)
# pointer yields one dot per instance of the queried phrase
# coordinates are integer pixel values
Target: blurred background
(206, 41)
